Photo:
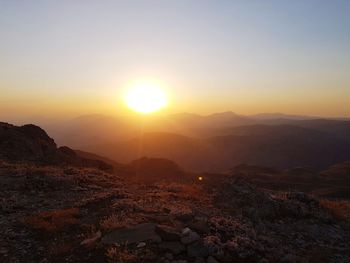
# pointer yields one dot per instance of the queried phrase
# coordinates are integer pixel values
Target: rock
(28, 142)
(131, 235)
(167, 233)
(173, 246)
(200, 226)
(190, 237)
(197, 249)
(92, 240)
(211, 259)
(31, 143)
(185, 231)
(141, 245)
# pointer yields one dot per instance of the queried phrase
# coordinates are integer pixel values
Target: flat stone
(167, 233)
(132, 235)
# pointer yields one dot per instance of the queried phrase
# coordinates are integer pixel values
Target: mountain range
(214, 143)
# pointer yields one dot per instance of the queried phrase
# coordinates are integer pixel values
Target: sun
(146, 98)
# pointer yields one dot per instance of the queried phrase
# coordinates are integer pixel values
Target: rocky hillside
(30, 143)
(333, 182)
(62, 214)
(282, 146)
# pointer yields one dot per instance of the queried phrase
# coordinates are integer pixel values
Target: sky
(66, 58)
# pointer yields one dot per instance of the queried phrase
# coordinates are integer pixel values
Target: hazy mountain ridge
(101, 129)
(215, 142)
(281, 146)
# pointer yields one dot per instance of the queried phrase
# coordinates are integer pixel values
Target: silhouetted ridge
(26, 143)
(31, 143)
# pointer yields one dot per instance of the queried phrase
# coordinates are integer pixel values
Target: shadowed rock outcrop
(33, 144)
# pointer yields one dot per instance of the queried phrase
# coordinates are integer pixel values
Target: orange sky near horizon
(65, 59)
(111, 103)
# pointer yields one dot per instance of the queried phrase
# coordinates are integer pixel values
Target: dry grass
(120, 255)
(338, 208)
(111, 222)
(52, 221)
(119, 220)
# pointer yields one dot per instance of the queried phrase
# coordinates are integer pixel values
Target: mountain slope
(282, 146)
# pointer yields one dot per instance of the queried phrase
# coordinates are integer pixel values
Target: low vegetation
(53, 221)
(86, 215)
(338, 208)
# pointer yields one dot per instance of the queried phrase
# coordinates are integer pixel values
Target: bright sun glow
(146, 98)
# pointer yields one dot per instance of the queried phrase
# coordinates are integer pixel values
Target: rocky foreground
(67, 214)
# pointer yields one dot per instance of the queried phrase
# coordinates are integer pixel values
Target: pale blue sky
(245, 56)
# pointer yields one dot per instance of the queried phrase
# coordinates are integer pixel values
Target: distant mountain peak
(279, 115)
(225, 113)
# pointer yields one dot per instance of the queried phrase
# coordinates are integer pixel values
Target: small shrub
(120, 255)
(111, 222)
(120, 220)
